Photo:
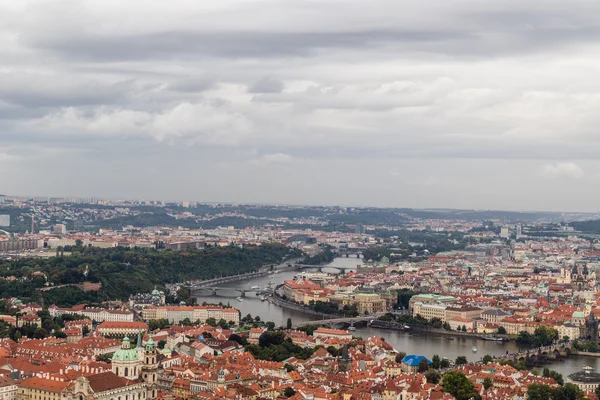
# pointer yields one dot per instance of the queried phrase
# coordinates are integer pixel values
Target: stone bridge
(540, 354)
(320, 268)
(332, 321)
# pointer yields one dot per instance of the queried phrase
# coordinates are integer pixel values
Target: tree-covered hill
(123, 271)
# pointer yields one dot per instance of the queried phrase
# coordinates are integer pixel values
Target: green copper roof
(125, 353)
(150, 344)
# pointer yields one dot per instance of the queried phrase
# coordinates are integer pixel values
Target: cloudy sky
(463, 103)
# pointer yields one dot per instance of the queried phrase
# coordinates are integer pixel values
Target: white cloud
(567, 170)
(199, 122)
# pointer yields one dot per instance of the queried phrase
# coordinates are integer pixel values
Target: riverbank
(425, 329)
(297, 307)
(584, 353)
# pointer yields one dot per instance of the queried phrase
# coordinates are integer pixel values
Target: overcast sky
(462, 104)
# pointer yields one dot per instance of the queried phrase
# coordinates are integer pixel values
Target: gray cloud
(323, 94)
(268, 84)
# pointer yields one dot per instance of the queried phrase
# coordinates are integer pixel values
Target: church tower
(125, 361)
(591, 328)
(345, 360)
(150, 369)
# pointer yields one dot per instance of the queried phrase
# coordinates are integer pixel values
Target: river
(410, 343)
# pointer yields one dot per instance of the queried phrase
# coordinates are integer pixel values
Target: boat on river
(255, 287)
(474, 349)
(493, 338)
(239, 298)
(263, 298)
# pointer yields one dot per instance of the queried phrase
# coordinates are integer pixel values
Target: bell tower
(150, 369)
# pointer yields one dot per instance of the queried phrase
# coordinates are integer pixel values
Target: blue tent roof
(414, 361)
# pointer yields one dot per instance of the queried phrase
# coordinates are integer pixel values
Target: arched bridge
(320, 268)
(332, 321)
(347, 252)
(540, 354)
(215, 289)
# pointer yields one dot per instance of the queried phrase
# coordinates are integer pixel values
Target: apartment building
(368, 303)
(120, 329)
(8, 388)
(95, 314)
(176, 314)
(429, 311)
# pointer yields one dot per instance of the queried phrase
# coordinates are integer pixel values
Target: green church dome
(125, 353)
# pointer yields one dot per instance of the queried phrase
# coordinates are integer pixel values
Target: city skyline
(467, 105)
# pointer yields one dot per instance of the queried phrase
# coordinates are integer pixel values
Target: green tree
(501, 331)
(436, 322)
(487, 359)
(60, 334)
(238, 339)
(423, 366)
(288, 367)
(289, 392)
(223, 324)
(557, 376)
(538, 391)
(546, 372)
(460, 360)
(459, 386)
(433, 376)
(435, 361)
(270, 325)
(573, 392)
(248, 319)
(487, 383)
(269, 338)
(445, 363)
(211, 321)
(289, 323)
(161, 344)
(544, 335)
(400, 356)
(333, 351)
(40, 333)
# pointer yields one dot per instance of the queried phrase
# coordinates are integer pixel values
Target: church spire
(139, 340)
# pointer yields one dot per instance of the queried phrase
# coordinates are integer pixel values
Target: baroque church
(134, 376)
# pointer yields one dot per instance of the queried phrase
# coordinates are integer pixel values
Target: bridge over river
(341, 320)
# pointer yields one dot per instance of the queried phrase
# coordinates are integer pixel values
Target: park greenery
(273, 346)
(542, 336)
(48, 324)
(324, 257)
(332, 308)
(569, 391)
(586, 345)
(123, 271)
(459, 386)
